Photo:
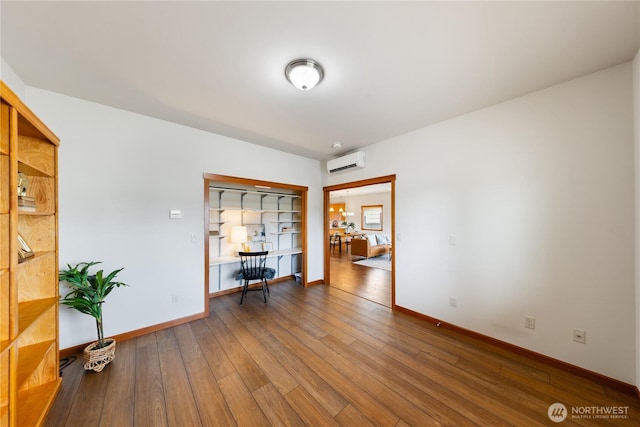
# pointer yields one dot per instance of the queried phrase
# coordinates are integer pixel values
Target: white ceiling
(391, 67)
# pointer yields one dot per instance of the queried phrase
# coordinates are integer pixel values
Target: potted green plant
(87, 293)
(351, 226)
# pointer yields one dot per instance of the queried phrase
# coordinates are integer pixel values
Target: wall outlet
(580, 335)
(174, 299)
(453, 302)
(529, 322)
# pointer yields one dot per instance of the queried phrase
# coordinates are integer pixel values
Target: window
(372, 217)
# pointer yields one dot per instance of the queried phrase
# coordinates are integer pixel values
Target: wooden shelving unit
(29, 353)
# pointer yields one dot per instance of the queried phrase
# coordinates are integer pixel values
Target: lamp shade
(304, 73)
(238, 234)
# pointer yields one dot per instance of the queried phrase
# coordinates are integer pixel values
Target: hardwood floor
(316, 357)
(373, 284)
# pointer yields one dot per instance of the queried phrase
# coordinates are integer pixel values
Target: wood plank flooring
(320, 357)
(373, 284)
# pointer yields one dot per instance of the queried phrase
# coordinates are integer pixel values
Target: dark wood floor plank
(241, 403)
(211, 404)
(145, 340)
(308, 409)
(519, 396)
(433, 398)
(250, 372)
(166, 340)
(316, 386)
(359, 397)
(86, 408)
(350, 417)
(181, 406)
(357, 373)
(71, 377)
(189, 348)
(218, 361)
(150, 407)
(461, 402)
(119, 399)
(324, 312)
(275, 407)
(269, 365)
(373, 284)
(308, 318)
(321, 356)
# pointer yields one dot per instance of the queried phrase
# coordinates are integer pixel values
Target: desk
(236, 259)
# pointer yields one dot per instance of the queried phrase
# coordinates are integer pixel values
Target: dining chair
(253, 266)
(335, 240)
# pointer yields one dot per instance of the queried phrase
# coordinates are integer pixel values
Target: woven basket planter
(97, 359)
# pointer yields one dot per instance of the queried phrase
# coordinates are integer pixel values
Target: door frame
(208, 179)
(390, 179)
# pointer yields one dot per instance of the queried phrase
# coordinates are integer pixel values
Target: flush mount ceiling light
(304, 73)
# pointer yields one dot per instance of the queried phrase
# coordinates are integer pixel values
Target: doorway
(368, 211)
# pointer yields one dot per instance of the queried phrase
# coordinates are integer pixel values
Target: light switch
(175, 214)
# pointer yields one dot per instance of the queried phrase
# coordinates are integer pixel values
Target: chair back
(253, 264)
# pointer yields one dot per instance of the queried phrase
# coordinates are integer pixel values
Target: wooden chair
(335, 240)
(253, 266)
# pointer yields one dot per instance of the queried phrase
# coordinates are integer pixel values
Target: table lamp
(239, 235)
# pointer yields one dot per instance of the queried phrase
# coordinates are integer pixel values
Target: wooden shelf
(5, 344)
(36, 213)
(36, 257)
(33, 404)
(30, 358)
(30, 311)
(28, 290)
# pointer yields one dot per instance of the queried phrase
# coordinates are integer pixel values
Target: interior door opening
(359, 224)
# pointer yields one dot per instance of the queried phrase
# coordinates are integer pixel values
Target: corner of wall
(636, 136)
(11, 79)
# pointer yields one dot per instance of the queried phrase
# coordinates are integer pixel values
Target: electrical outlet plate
(453, 302)
(580, 336)
(529, 322)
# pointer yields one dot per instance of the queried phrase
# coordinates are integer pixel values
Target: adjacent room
(360, 232)
(437, 202)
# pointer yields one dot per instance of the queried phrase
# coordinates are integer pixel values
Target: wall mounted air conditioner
(347, 162)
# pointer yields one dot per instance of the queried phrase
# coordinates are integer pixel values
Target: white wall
(636, 121)
(355, 205)
(120, 174)
(11, 79)
(539, 194)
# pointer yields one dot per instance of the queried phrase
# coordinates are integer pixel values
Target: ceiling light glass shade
(304, 73)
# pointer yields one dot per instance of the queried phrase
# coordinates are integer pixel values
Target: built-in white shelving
(273, 219)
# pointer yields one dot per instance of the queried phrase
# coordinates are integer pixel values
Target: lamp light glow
(239, 235)
(304, 74)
